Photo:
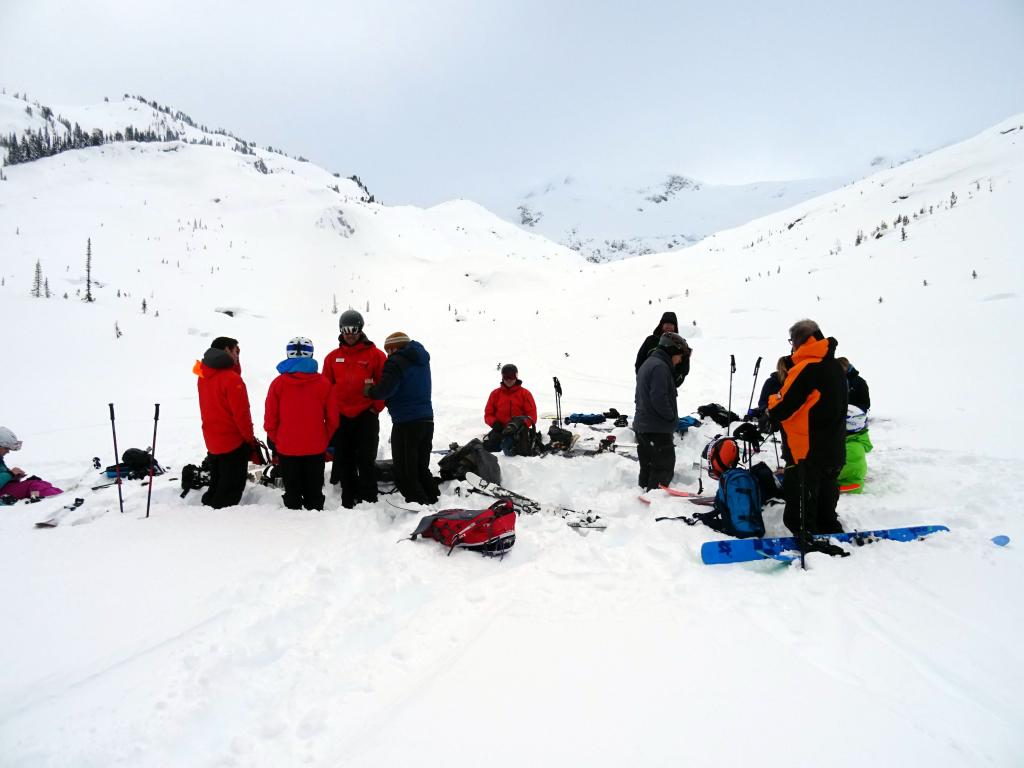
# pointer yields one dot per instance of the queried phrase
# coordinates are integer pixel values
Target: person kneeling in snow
(299, 420)
(405, 387)
(507, 402)
(227, 425)
(13, 482)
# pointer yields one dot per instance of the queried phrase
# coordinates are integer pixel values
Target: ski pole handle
(757, 367)
(732, 363)
(111, 406)
(156, 414)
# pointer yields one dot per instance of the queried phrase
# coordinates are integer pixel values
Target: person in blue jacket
(405, 387)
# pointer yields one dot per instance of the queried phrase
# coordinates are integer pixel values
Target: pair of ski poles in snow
(117, 459)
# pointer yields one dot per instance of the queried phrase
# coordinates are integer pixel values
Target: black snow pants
(303, 481)
(657, 454)
(355, 456)
(410, 446)
(227, 477)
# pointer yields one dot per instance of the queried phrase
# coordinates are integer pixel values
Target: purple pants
(22, 489)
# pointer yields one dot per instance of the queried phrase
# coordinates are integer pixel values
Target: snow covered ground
(255, 636)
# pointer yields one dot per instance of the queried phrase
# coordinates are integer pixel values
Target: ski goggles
(351, 329)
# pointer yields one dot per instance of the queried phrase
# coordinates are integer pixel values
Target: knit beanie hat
(9, 440)
(398, 339)
(300, 346)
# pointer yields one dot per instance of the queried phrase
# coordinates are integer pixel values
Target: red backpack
(490, 531)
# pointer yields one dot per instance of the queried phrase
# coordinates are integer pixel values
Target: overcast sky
(433, 99)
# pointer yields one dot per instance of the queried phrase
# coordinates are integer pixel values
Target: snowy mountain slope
(259, 637)
(608, 221)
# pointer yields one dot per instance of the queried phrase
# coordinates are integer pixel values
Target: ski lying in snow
(749, 550)
(527, 506)
(60, 514)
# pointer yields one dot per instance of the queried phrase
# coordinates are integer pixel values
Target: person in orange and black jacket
(355, 442)
(227, 423)
(811, 408)
(506, 402)
(667, 324)
(300, 419)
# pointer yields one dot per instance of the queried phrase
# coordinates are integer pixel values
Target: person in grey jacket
(657, 417)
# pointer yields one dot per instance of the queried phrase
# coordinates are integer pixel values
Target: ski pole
(152, 458)
(558, 401)
(757, 367)
(803, 515)
(732, 370)
(117, 460)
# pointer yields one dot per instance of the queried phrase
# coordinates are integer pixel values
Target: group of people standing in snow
(820, 403)
(310, 415)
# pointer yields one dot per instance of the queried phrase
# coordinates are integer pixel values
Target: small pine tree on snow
(952, 199)
(924, 283)
(88, 270)
(65, 294)
(334, 304)
(117, 331)
(879, 299)
(46, 287)
(143, 306)
(37, 281)
(903, 233)
(367, 305)
(974, 274)
(860, 237)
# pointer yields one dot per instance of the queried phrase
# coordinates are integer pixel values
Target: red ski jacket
(507, 402)
(300, 417)
(346, 368)
(224, 407)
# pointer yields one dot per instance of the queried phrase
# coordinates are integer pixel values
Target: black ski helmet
(673, 343)
(350, 319)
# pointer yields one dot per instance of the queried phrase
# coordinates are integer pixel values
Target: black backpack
(194, 477)
(135, 465)
(719, 414)
(472, 457)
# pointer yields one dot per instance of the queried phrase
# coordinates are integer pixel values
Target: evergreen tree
(143, 306)
(88, 270)
(334, 304)
(37, 281)
(117, 331)
(46, 287)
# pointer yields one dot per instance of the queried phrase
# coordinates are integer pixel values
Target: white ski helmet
(300, 346)
(9, 440)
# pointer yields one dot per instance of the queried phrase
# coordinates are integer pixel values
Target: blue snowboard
(747, 550)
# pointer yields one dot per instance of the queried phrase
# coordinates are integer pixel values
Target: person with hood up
(505, 403)
(14, 483)
(405, 386)
(811, 409)
(358, 435)
(668, 324)
(299, 419)
(657, 416)
(227, 423)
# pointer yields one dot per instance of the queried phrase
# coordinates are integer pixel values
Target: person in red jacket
(299, 420)
(506, 402)
(227, 425)
(355, 442)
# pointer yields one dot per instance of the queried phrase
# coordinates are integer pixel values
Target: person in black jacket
(811, 408)
(771, 386)
(859, 393)
(667, 324)
(657, 417)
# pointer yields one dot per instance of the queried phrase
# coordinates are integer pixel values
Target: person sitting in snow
(667, 324)
(300, 419)
(505, 404)
(858, 440)
(14, 484)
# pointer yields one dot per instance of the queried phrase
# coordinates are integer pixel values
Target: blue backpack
(738, 504)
